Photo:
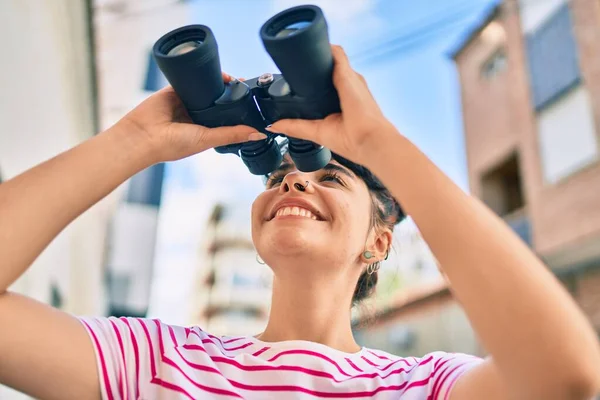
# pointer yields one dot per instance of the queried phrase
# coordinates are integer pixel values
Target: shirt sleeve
(124, 354)
(447, 369)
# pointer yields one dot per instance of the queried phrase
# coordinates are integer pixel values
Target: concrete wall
(47, 105)
(437, 324)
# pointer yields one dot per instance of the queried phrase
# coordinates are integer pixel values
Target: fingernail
(257, 136)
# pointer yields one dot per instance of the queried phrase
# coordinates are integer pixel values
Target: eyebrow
(338, 168)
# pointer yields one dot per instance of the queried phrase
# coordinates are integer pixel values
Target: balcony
(519, 222)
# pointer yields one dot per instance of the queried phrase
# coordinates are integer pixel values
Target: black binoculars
(297, 40)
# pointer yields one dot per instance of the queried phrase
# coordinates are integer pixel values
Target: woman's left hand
(354, 130)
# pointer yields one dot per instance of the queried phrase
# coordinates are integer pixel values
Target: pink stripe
(170, 362)
(150, 348)
(259, 352)
(233, 340)
(279, 388)
(136, 354)
(203, 349)
(309, 353)
(353, 365)
(380, 357)
(102, 361)
(436, 382)
(441, 386)
(294, 368)
(414, 384)
(124, 372)
(403, 360)
(451, 385)
(206, 341)
(171, 386)
(369, 361)
(207, 335)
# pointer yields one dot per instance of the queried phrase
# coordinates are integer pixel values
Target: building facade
(530, 88)
(48, 105)
(530, 83)
(233, 288)
(125, 31)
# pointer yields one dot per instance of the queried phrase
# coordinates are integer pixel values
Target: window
(501, 187)
(567, 135)
(494, 65)
(56, 299)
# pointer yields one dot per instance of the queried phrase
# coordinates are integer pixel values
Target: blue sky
(400, 46)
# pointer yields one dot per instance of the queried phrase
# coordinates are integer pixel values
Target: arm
(34, 208)
(45, 352)
(541, 344)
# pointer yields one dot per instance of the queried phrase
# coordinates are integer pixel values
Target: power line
(426, 29)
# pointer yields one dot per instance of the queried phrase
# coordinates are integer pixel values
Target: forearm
(36, 205)
(525, 319)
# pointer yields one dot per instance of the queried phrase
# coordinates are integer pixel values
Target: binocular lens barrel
(189, 59)
(298, 42)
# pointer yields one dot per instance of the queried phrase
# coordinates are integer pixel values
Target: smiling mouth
(295, 212)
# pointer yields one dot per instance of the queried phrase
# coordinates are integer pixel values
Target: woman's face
(327, 222)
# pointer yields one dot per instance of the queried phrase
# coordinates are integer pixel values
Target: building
(48, 105)
(125, 31)
(530, 81)
(530, 88)
(233, 289)
(417, 314)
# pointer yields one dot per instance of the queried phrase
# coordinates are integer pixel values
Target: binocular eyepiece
(297, 40)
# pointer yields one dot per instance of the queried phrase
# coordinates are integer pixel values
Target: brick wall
(587, 294)
(568, 211)
(498, 116)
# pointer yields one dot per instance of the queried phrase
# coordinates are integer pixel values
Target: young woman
(323, 234)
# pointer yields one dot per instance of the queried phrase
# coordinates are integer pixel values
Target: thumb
(205, 138)
(297, 128)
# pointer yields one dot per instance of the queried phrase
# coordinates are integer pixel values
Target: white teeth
(297, 211)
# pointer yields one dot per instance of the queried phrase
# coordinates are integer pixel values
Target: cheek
(353, 218)
(257, 212)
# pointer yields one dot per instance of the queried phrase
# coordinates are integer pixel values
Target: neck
(311, 308)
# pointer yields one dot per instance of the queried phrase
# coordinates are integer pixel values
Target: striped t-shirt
(147, 359)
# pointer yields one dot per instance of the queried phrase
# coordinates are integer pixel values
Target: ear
(382, 243)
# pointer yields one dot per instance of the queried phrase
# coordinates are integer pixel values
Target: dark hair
(386, 214)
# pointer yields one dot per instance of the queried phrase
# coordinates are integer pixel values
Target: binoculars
(297, 40)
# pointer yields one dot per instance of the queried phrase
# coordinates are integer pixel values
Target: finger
(344, 75)
(226, 77)
(297, 128)
(206, 138)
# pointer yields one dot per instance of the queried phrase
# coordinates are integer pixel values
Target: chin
(282, 238)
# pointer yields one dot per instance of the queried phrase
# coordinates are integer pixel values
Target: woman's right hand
(163, 123)
(354, 131)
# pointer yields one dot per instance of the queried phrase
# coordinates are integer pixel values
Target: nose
(296, 182)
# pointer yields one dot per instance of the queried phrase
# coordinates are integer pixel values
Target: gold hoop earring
(259, 260)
